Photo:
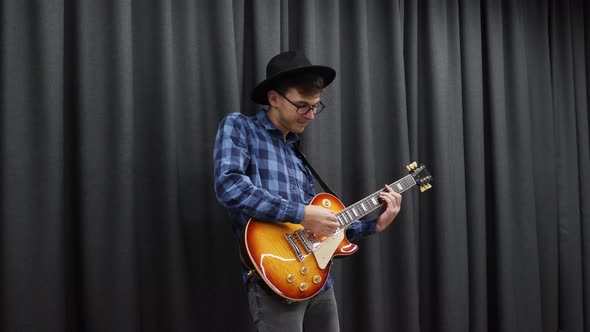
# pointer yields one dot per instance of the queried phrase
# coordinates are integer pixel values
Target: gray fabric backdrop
(108, 219)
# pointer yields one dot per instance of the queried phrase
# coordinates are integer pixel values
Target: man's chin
(299, 130)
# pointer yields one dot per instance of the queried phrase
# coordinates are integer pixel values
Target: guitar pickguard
(324, 253)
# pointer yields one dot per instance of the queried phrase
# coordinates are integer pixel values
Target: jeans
(271, 312)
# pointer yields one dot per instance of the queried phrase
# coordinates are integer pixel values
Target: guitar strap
(315, 174)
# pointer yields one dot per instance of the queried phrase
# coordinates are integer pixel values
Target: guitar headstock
(420, 175)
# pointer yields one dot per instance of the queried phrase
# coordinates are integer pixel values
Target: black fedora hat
(284, 64)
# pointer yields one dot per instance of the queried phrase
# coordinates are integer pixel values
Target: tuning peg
(425, 187)
(412, 166)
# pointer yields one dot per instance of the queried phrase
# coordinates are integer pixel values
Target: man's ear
(273, 97)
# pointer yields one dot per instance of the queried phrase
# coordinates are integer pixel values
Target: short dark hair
(307, 84)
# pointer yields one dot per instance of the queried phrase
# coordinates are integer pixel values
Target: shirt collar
(262, 117)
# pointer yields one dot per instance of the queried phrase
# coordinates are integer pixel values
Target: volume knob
(317, 279)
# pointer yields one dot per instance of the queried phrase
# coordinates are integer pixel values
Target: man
(259, 175)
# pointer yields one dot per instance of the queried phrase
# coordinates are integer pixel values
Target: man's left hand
(391, 207)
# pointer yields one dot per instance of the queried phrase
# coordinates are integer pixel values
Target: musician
(259, 175)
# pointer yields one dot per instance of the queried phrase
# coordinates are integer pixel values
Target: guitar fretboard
(371, 202)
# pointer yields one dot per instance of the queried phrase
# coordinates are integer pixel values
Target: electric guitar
(294, 262)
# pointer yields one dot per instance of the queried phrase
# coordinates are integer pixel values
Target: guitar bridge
(308, 239)
(294, 246)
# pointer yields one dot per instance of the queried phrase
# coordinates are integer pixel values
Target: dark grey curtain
(108, 219)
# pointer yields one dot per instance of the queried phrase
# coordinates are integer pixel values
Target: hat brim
(259, 93)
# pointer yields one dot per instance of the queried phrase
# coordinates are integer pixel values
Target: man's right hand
(319, 220)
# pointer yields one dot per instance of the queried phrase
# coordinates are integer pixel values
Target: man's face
(284, 112)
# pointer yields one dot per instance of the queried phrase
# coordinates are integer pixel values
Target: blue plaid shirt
(258, 175)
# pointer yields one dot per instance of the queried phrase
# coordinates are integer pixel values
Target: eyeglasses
(305, 108)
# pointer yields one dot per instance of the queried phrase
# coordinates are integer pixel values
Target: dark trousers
(271, 312)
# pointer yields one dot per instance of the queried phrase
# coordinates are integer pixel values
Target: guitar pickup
(294, 247)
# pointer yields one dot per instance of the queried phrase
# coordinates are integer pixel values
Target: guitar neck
(368, 204)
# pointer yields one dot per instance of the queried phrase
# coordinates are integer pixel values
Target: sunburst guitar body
(295, 263)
